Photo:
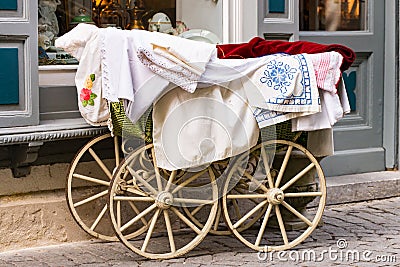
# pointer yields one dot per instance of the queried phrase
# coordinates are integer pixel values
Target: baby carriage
(271, 197)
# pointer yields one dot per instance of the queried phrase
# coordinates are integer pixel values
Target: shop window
(333, 15)
(56, 17)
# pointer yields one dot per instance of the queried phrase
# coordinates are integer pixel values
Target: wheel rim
(158, 199)
(87, 190)
(274, 193)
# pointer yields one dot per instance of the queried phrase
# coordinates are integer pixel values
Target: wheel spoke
(242, 193)
(119, 214)
(157, 170)
(143, 181)
(138, 217)
(251, 178)
(251, 212)
(194, 201)
(101, 214)
(267, 167)
(134, 191)
(197, 209)
(170, 180)
(90, 179)
(169, 231)
(236, 208)
(297, 177)
(150, 230)
(217, 218)
(187, 181)
(283, 167)
(116, 151)
(100, 163)
(186, 221)
(136, 210)
(281, 224)
(298, 214)
(94, 197)
(137, 199)
(263, 225)
(246, 196)
(304, 194)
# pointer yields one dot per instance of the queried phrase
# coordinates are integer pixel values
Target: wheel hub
(275, 196)
(164, 200)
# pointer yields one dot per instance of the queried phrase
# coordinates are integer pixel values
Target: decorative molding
(21, 14)
(290, 15)
(362, 117)
(232, 21)
(61, 134)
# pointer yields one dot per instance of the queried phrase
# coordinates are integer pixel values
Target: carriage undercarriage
(270, 198)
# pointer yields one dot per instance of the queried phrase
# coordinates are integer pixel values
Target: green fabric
(123, 126)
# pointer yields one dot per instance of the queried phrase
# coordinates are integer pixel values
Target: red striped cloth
(327, 69)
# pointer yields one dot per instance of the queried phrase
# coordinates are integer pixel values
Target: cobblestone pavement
(366, 230)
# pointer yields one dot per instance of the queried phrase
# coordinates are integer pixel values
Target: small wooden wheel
(88, 180)
(295, 180)
(157, 200)
(88, 183)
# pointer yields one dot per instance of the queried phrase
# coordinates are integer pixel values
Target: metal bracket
(22, 155)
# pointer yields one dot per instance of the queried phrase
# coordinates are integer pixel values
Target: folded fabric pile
(274, 81)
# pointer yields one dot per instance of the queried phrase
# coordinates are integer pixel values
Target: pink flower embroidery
(87, 96)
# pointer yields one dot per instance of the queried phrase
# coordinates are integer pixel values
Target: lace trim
(169, 70)
(106, 83)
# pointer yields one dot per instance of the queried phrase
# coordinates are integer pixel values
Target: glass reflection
(333, 15)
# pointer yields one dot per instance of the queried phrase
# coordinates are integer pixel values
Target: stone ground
(356, 234)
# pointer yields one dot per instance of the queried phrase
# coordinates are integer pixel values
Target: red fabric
(260, 47)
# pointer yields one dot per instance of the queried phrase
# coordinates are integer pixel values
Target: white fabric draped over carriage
(143, 67)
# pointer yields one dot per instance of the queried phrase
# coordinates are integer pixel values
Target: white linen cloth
(334, 107)
(137, 64)
(82, 43)
(211, 124)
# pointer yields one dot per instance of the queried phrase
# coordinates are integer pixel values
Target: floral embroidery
(87, 96)
(278, 75)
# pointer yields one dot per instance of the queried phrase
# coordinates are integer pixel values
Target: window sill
(57, 75)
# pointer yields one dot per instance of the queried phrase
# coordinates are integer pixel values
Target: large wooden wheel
(157, 196)
(280, 191)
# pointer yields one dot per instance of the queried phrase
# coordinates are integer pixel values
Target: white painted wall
(232, 21)
(201, 14)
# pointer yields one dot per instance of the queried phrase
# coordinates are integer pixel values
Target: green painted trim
(9, 76)
(276, 6)
(8, 5)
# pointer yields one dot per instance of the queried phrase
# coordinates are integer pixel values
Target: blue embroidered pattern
(302, 98)
(278, 76)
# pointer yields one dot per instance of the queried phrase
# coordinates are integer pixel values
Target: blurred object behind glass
(136, 11)
(115, 15)
(333, 15)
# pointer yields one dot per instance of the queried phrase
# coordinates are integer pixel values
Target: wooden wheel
(88, 183)
(158, 196)
(88, 180)
(297, 178)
